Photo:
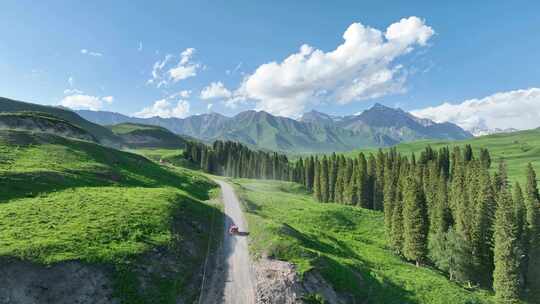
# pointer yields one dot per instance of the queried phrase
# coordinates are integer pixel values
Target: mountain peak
(315, 116)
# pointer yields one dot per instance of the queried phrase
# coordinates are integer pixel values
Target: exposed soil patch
(69, 282)
(278, 282)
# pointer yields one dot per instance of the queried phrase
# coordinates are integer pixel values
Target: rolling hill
(102, 134)
(42, 122)
(517, 149)
(146, 136)
(379, 126)
(83, 220)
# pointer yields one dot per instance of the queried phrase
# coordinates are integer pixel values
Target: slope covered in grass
(103, 134)
(42, 122)
(146, 136)
(70, 200)
(345, 244)
(516, 148)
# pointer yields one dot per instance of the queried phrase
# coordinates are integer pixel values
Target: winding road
(238, 287)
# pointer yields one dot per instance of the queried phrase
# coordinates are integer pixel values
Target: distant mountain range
(378, 126)
(314, 132)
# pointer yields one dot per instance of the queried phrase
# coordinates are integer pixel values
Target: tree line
(443, 209)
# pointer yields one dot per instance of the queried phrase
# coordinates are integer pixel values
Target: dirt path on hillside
(232, 278)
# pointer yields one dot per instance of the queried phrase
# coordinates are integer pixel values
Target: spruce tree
(456, 259)
(505, 275)
(532, 235)
(520, 213)
(396, 231)
(317, 190)
(324, 181)
(415, 222)
(362, 182)
(485, 158)
(482, 229)
(390, 188)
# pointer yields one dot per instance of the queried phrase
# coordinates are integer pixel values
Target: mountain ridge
(314, 131)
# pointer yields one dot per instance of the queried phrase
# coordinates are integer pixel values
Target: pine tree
(378, 195)
(362, 182)
(332, 177)
(456, 259)
(317, 189)
(520, 213)
(485, 158)
(390, 188)
(505, 276)
(324, 181)
(482, 232)
(396, 231)
(415, 222)
(340, 186)
(532, 235)
(467, 153)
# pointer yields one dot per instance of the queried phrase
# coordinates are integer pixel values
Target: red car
(233, 229)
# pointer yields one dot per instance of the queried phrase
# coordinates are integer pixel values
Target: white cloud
(164, 108)
(108, 99)
(80, 101)
(72, 91)
(215, 90)
(91, 53)
(519, 109)
(182, 72)
(157, 77)
(210, 106)
(184, 69)
(71, 81)
(184, 93)
(186, 55)
(358, 69)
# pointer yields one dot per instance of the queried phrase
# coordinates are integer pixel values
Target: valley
(146, 219)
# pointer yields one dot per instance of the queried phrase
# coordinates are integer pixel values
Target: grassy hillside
(103, 134)
(146, 136)
(345, 244)
(65, 200)
(517, 149)
(42, 122)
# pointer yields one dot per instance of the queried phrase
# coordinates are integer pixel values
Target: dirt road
(238, 286)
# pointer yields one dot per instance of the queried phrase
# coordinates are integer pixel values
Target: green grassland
(146, 136)
(64, 199)
(517, 149)
(345, 244)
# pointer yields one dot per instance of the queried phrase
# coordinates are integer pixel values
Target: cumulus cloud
(519, 109)
(166, 109)
(87, 102)
(362, 67)
(163, 73)
(215, 90)
(91, 53)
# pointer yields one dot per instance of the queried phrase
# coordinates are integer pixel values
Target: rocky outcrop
(279, 282)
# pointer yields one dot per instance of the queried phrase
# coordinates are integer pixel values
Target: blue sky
(477, 49)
